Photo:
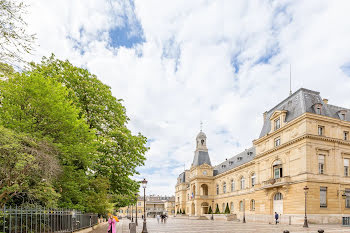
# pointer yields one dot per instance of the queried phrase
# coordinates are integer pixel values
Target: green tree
(27, 167)
(120, 152)
(40, 107)
(227, 210)
(14, 38)
(183, 212)
(210, 210)
(217, 211)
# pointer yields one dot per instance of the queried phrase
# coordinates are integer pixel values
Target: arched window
(217, 189)
(252, 204)
(188, 196)
(242, 182)
(231, 207)
(278, 196)
(232, 185)
(241, 206)
(253, 179)
(277, 169)
(224, 187)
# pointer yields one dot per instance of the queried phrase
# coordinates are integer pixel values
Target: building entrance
(278, 203)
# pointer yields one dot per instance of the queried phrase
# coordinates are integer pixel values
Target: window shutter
(346, 162)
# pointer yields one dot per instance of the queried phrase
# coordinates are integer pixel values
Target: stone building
(304, 141)
(154, 205)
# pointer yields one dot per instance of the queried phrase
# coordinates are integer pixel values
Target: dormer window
(223, 166)
(318, 108)
(342, 114)
(239, 158)
(230, 162)
(277, 123)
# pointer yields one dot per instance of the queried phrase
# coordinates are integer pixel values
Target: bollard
(320, 231)
(132, 227)
(286, 231)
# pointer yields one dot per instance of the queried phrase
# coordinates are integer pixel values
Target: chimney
(325, 101)
(265, 114)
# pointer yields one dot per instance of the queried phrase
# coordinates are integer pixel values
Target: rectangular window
(323, 196)
(347, 200)
(346, 167)
(321, 164)
(139, 203)
(217, 189)
(321, 130)
(277, 141)
(346, 135)
(277, 171)
(277, 124)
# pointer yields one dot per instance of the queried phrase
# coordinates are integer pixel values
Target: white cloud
(199, 62)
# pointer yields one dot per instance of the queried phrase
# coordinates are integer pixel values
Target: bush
(210, 210)
(217, 211)
(227, 210)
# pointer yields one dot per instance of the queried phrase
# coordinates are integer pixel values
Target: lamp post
(136, 207)
(144, 185)
(305, 218)
(132, 213)
(243, 210)
(212, 210)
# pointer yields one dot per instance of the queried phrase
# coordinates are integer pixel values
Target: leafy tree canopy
(120, 152)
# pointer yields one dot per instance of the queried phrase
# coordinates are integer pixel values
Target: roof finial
(290, 79)
(201, 126)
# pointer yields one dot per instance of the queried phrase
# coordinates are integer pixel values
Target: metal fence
(346, 221)
(30, 220)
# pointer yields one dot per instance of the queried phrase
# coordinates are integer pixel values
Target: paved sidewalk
(103, 228)
(174, 225)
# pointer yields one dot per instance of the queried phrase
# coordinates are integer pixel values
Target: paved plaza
(202, 226)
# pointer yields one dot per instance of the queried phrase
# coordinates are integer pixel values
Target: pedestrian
(142, 216)
(165, 218)
(158, 217)
(276, 217)
(112, 223)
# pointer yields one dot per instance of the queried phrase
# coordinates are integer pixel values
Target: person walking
(112, 223)
(276, 217)
(158, 217)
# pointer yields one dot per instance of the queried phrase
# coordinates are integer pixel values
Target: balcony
(272, 183)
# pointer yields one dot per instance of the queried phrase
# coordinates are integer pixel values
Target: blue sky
(176, 63)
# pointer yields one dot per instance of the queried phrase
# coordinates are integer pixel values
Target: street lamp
(132, 213)
(144, 185)
(212, 210)
(305, 218)
(243, 210)
(136, 207)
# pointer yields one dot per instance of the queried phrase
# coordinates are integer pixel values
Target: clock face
(205, 173)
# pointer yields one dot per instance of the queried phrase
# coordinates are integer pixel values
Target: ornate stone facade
(304, 142)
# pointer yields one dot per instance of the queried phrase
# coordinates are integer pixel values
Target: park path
(103, 228)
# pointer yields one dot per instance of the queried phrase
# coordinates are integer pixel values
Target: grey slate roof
(182, 177)
(301, 101)
(235, 161)
(201, 157)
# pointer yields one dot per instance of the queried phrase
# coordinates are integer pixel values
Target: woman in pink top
(112, 224)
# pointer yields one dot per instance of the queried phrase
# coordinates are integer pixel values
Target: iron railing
(346, 221)
(43, 220)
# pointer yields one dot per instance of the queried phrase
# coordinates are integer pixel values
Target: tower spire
(290, 79)
(201, 126)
